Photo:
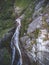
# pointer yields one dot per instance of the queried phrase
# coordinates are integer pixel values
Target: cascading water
(15, 42)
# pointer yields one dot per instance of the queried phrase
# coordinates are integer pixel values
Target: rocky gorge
(33, 35)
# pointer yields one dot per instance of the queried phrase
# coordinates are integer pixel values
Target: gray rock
(39, 5)
(37, 13)
(47, 17)
(47, 21)
(35, 24)
(23, 39)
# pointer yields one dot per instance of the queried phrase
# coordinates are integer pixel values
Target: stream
(15, 44)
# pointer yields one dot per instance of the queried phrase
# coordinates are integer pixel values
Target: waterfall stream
(15, 42)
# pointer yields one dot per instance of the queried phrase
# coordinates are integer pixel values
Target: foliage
(6, 16)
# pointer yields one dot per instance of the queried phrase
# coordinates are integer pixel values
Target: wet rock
(23, 39)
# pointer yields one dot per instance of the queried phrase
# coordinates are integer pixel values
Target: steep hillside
(6, 16)
(34, 32)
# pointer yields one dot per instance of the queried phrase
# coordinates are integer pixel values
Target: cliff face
(35, 37)
(34, 34)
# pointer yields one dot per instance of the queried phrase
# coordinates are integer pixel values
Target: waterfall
(15, 43)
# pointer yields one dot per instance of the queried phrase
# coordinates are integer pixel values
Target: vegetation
(6, 23)
(28, 17)
(22, 3)
(6, 16)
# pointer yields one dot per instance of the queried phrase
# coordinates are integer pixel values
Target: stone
(23, 39)
(34, 25)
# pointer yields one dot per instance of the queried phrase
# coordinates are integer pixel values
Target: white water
(15, 41)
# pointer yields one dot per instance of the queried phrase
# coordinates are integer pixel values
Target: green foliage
(6, 16)
(28, 17)
(23, 27)
(22, 3)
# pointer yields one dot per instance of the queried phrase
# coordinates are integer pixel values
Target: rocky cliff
(34, 33)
